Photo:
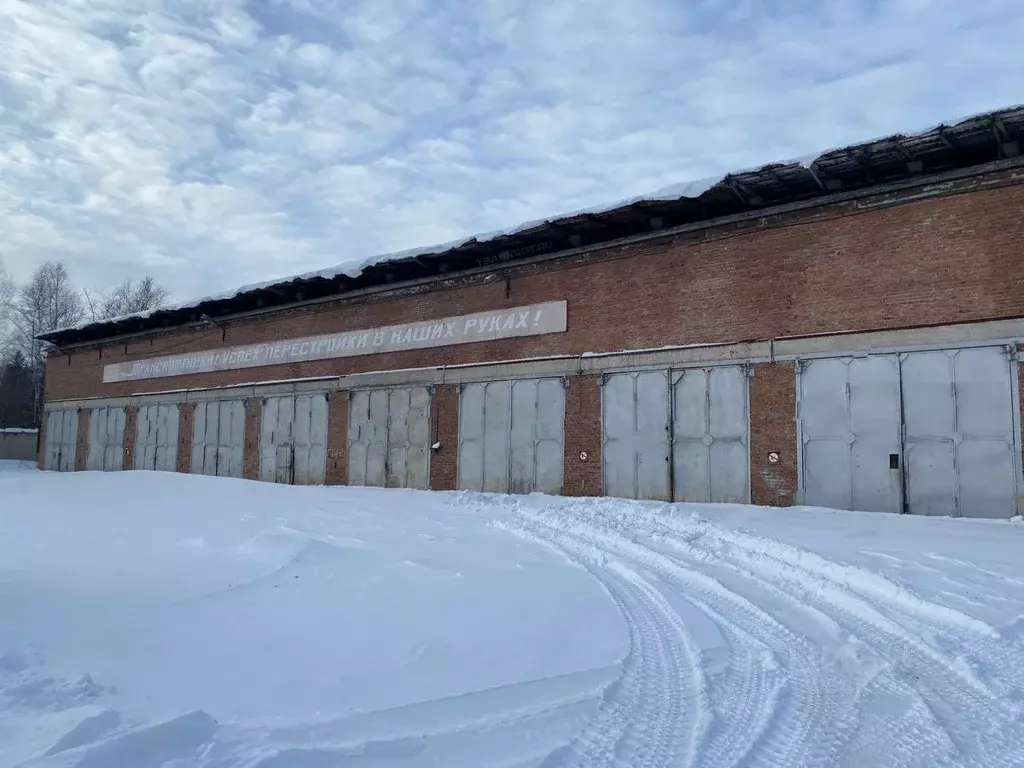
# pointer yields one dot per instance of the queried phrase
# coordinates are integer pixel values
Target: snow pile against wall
(151, 619)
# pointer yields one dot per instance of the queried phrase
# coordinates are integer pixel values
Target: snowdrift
(151, 619)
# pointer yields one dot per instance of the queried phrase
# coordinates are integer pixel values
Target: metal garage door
(389, 437)
(293, 440)
(636, 450)
(709, 435)
(61, 439)
(511, 436)
(106, 439)
(156, 441)
(218, 439)
(960, 437)
(849, 414)
(929, 433)
(687, 444)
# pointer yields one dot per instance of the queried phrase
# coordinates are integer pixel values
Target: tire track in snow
(809, 715)
(657, 714)
(967, 710)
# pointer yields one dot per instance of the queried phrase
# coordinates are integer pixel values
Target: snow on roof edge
(687, 189)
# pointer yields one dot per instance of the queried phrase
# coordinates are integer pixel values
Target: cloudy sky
(213, 143)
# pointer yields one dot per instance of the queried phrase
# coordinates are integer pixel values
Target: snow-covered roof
(964, 143)
(17, 431)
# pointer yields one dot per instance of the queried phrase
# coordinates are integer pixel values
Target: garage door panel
(61, 440)
(875, 397)
(823, 399)
(652, 407)
(618, 406)
(636, 436)
(156, 440)
(984, 394)
(931, 478)
(729, 475)
(389, 435)
(418, 464)
(928, 389)
(550, 458)
(471, 434)
(984, 466)
(518, 448)
(293, 439)
(269, 460)
(692, 471)
(826, 474)
(497, 422)
(691, 393)
(218, 438)
(850, 427)
(709, 431)
(106, 438)
(874, 487)
(550, 410)
(727, 400)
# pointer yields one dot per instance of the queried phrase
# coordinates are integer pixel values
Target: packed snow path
(745, 651)
(161, 620)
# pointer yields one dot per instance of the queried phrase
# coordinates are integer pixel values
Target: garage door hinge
(1012, 353)
(748, 369)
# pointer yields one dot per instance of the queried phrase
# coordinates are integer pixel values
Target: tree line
(47, 302)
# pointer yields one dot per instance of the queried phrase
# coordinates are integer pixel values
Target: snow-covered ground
(167, 620)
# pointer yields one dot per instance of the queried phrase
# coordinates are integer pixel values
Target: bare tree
(127, 299)
(47, 303)
(7, 291)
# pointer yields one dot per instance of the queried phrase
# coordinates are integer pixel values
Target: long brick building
(842, 332)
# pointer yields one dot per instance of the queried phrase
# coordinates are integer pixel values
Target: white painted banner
(532, 320)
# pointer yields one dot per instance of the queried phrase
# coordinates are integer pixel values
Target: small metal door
(61, 440)
(389, 437)
(636, 431)
(106, 440)
(849, 422)
(960, 443)
(218, 439)
(511, 436)
(156, 441)
(709, 435)
(293, 440)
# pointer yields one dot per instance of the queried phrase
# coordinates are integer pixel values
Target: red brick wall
(773, 430)
(253, 417)
(583, 477)
(41, 443)
(82, 441)
(444, 428)
(128, 441)
(186, 420)
(337, 438)
(940, 260)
